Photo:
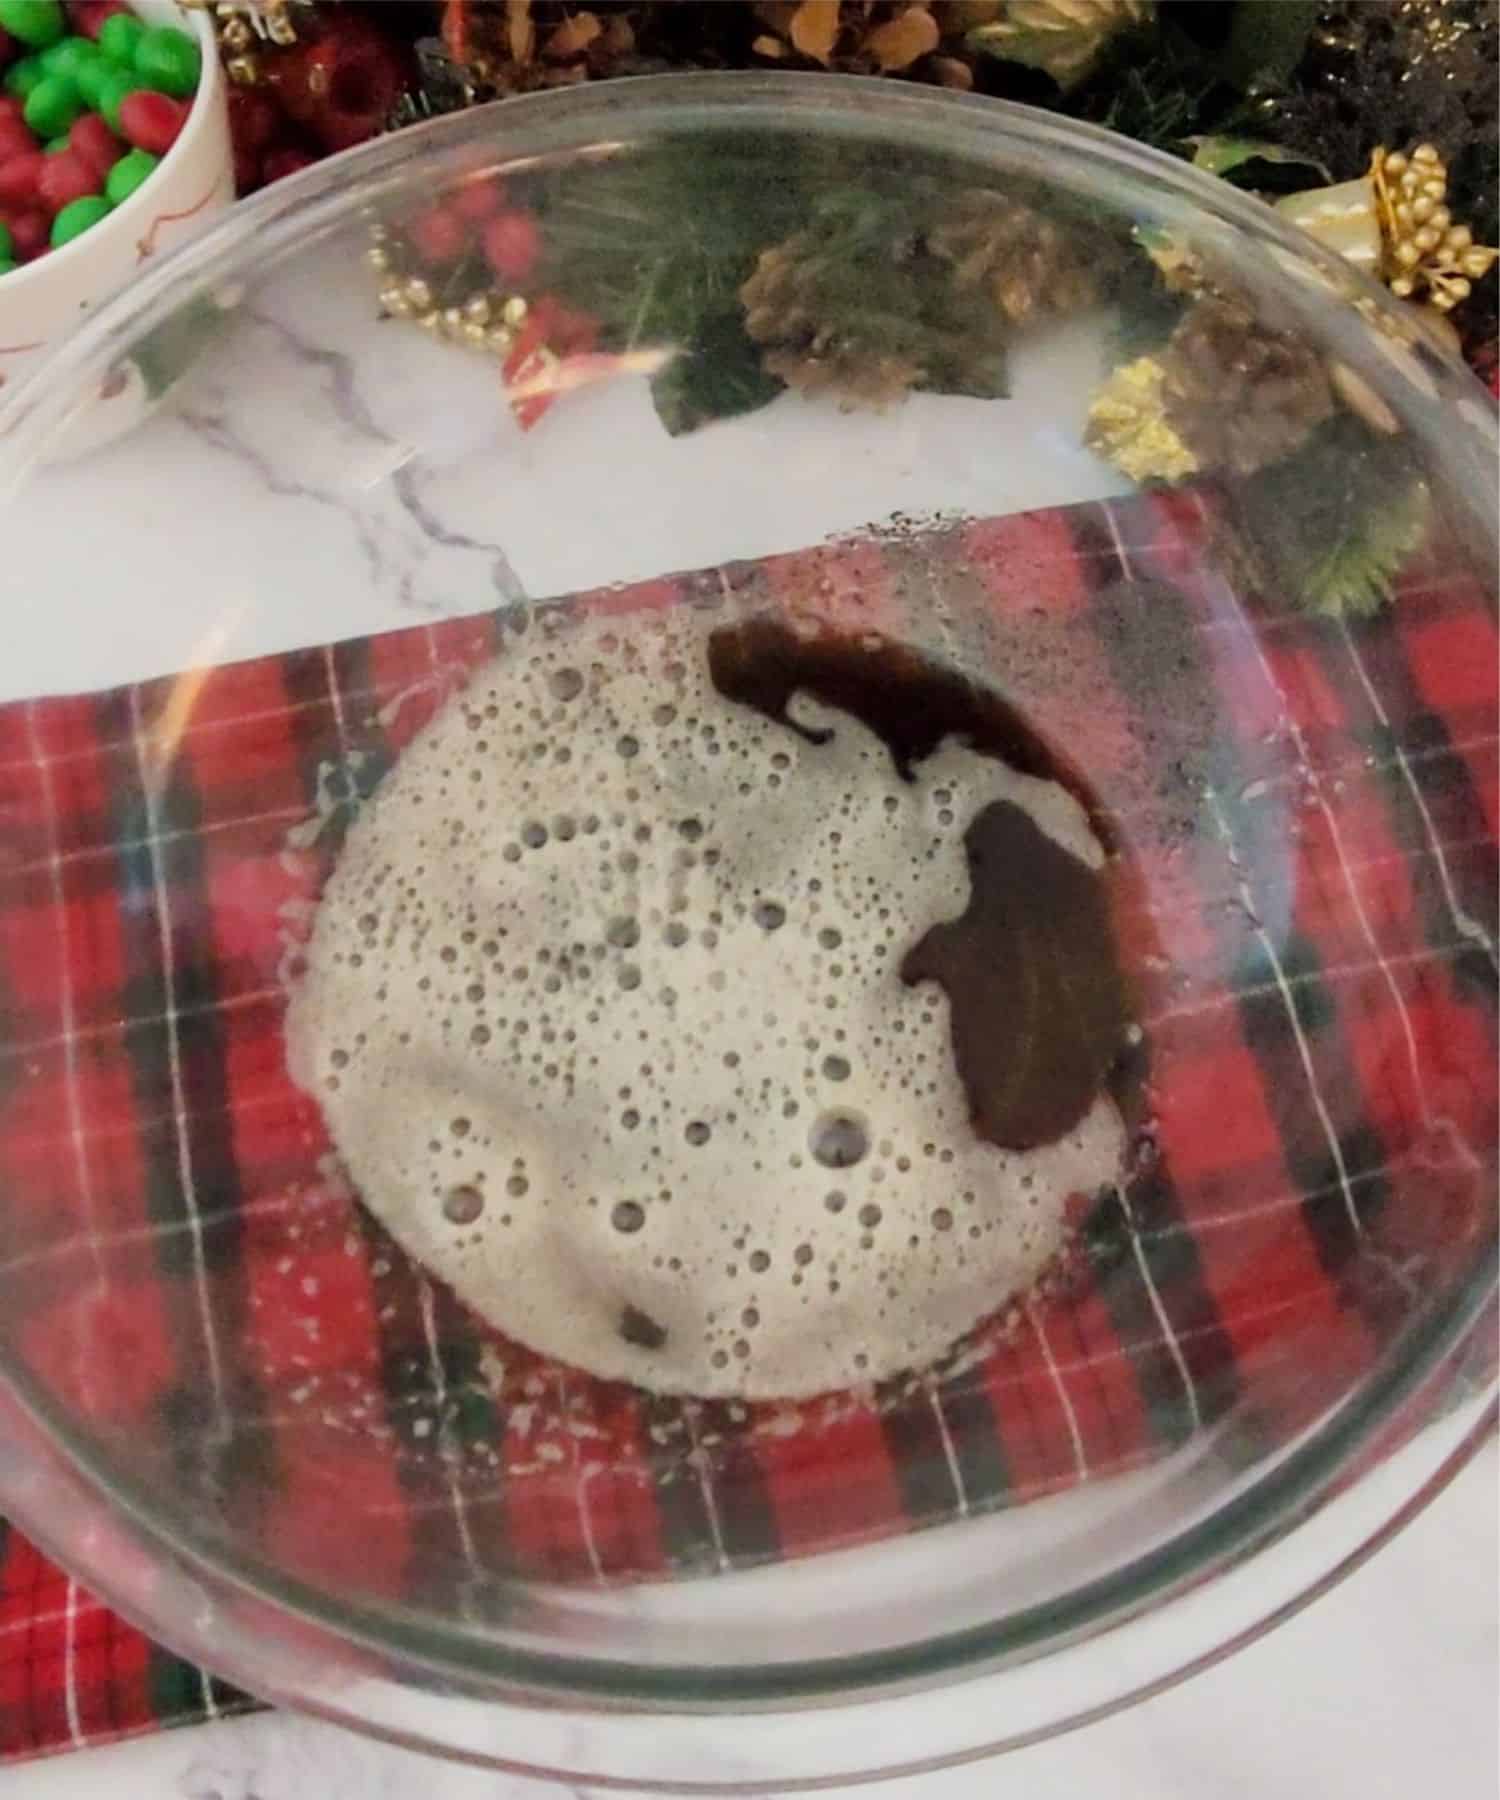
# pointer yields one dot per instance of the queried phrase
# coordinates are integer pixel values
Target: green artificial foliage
(1327, 529)
(719, 377)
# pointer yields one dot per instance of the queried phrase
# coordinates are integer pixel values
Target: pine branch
(1327, 529)
(1356, 576)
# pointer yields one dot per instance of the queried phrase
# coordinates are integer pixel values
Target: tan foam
(604, 970)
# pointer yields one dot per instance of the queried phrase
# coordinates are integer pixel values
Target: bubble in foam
(839, 1140)
(462, 1205)
(652, 1133)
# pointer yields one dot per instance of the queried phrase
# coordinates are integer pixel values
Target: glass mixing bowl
(1257, 631)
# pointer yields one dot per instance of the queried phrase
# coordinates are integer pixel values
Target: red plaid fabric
(1310, 916)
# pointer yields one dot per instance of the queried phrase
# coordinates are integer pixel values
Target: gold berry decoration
(1425, 253)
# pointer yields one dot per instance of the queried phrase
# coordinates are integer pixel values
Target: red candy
(15, 139)
(29, 231)
(18, 177)
(478, 200)
(438, 235)
(66, 177)
(277, 163)
(95, 143)
(511, 245)
(151, 121)
(12, 108)
(87, 16)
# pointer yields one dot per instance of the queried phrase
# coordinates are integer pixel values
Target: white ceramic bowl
(41, 303)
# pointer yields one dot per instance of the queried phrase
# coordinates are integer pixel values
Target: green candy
(114, 85)
(77, 217)
(7, 267)
(168, 61)
(88, 78)
(69, 57)
(34, 22)
(126, 176)
(52, 106)
(21, 77)
(7, 242)
(118, 37)
(53, 145)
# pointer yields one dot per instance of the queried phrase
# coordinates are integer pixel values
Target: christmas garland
(1370, 123)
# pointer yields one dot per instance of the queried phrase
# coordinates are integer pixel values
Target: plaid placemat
(1311, 918)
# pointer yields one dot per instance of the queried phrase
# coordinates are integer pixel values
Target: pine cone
(859, 305)
(860, 35)
(796, 309)
(844, 372)
(524, 45)
(1237, 394)
(1026, 263)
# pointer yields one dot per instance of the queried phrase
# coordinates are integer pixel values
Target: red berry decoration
(571, 332)
(511, 245)
(438, 235)
(364, 85)
(343, 86)
(254, 118)
(18, 178)
(66, 177)
(95, 143)
(479, 199)
(247, 172)
(151, 121)
(277, 163)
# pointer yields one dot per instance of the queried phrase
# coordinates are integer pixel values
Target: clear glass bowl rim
(979, 130)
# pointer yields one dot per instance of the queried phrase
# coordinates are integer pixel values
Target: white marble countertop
(1385, 1689)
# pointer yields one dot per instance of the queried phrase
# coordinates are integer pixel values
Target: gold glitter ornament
(244, 27)
(1128, 425)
